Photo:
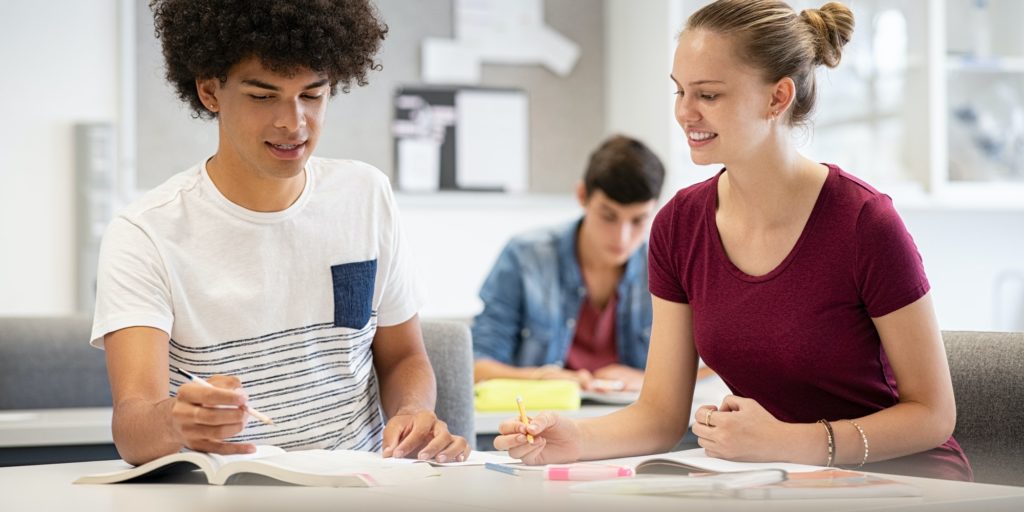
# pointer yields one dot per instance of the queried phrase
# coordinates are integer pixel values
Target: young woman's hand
(742, 430)
(556, 439)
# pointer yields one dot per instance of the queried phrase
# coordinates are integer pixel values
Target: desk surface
(52, 427)
(49, 487)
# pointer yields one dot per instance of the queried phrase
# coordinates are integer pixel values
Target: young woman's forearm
(639, 429)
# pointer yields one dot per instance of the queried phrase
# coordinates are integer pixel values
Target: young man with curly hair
(264, 266)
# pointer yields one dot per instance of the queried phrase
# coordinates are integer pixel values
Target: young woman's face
(722, 104)
(269, 123)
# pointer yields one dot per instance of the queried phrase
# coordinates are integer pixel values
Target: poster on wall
(461, 138)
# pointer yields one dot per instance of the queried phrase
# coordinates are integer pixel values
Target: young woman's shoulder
(689, 203)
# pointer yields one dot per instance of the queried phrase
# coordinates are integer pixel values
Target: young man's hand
(422, 436)
(631, 378)
(205, 416)
(551, 371)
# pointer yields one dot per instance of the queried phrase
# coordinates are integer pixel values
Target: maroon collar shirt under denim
(800, 339)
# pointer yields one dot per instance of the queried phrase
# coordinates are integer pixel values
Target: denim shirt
(533, 296)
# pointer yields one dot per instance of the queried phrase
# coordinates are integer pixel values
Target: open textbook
(693, 473)
(321, 468)
(696, 461)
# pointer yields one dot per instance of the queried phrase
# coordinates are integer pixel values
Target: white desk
(49, 487)
(55, 427)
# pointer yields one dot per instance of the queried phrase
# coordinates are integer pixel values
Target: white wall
(975, 263)
(456, 239)
(43, 91)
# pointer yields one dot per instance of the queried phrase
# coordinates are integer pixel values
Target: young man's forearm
(408, 387)
(484, 369)
(142, 430)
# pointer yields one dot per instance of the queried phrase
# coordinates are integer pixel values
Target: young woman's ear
(783, 94)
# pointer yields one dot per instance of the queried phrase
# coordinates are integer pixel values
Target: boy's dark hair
(205, 38)
(625, 170)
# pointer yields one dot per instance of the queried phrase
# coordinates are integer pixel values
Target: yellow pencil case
(500, 394)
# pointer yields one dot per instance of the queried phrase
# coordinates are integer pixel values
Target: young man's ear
(581, 193)
(207, 89)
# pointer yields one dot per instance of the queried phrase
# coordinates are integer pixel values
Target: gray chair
(47, 363)
(450, 350)
(988, 381)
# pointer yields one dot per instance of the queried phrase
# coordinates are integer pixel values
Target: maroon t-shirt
(800, 340)
(593, 344)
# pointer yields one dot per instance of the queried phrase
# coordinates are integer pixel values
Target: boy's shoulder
(165, 194)
(542, 238)
(352, 175)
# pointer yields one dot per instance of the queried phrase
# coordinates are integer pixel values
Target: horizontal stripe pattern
(316, 382)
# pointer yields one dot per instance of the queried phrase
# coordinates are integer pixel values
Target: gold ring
(707, 418)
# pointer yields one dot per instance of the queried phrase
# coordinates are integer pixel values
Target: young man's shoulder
(544, 238)
(166, 194)
(348, 174)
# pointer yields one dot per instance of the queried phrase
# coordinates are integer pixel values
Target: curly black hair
(205, 38)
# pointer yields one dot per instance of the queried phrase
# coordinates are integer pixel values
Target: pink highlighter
(586, 472)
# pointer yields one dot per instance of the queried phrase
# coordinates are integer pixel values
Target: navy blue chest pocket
(353, 293)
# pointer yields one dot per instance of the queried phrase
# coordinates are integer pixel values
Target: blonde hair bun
(832, 27)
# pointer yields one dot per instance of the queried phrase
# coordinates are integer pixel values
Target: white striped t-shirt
(288, 301)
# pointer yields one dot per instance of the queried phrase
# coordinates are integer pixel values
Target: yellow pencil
(523, 418)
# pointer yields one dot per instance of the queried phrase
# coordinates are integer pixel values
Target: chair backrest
(988, 380)
(46, 362)
(450, 350)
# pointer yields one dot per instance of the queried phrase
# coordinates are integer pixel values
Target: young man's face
(269, 123)
(616, 230)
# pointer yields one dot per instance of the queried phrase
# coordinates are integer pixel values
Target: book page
(264, 450)
(335, 468)
(176, 462)
(697, 459)
(480, 458)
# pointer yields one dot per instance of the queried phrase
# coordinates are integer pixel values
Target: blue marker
(501, 468)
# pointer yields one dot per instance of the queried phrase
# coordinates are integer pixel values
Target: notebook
(610, 397)
(322, 468)
(495, 395)
(696, 461)
(693, 473)
(831, 484)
